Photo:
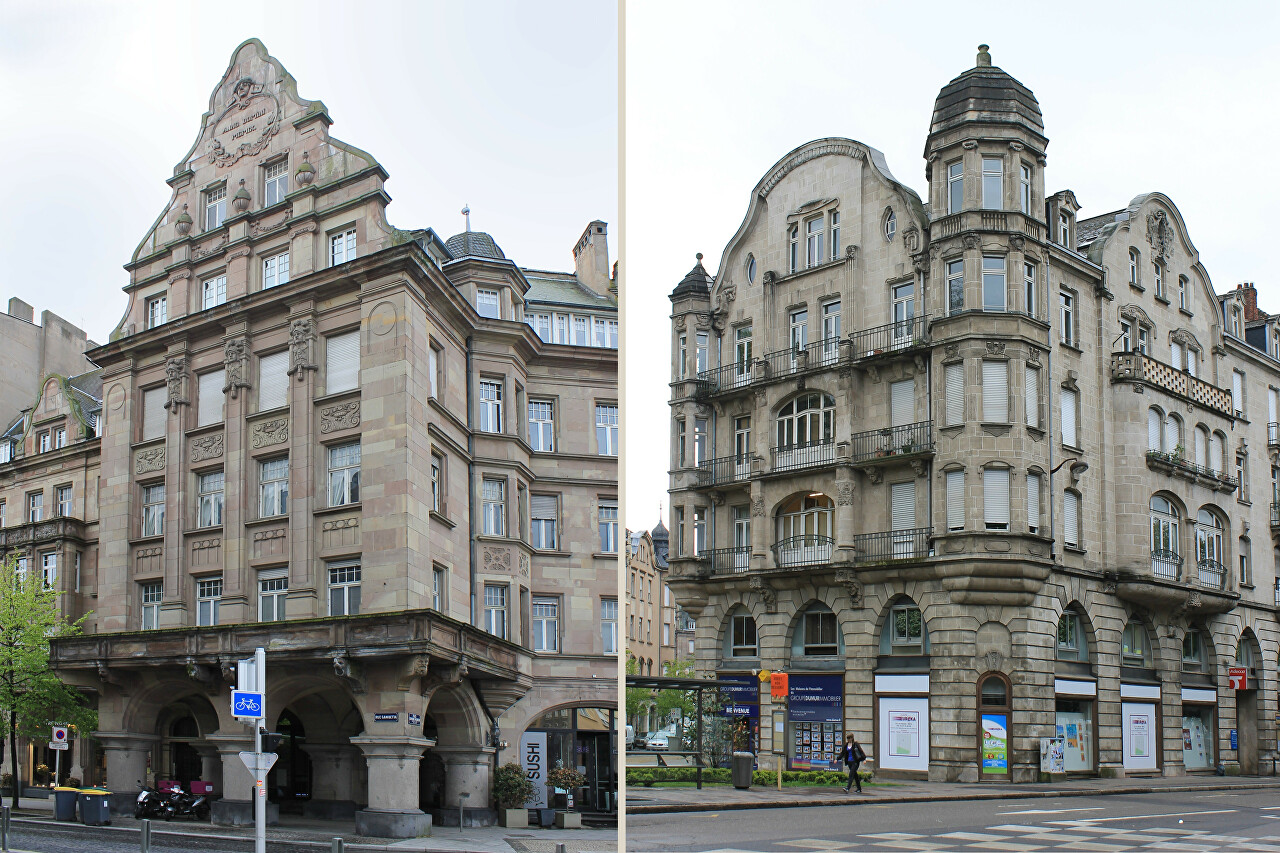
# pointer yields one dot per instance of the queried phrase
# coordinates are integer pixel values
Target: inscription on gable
(246, 125)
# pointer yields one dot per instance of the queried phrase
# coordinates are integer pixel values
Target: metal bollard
(462, 807)
(4, 828)
(146, 835)
(336, 846)
(560, 847)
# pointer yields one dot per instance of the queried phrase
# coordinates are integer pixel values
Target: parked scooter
(179, 803)
(150, 802)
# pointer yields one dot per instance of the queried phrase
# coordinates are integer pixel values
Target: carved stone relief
(340, 417)
(236, 363)
(302, 335)
(766, 593)
(148, 460)
(267, 433)
(844, 493)
(1159, 234)
(207, 447)
(252, 115)
(175, 372)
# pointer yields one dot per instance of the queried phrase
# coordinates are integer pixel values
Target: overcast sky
(509, 107)
(1177, 97)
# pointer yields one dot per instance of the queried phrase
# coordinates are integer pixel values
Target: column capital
(393, 746)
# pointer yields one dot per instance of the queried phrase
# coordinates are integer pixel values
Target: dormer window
(487, 304)
(1233, 321)
(215, 207)
(992, 184)
(1064, 229)
(277, 183)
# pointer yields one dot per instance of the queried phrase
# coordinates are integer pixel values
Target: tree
(638, 698)
(31, 694)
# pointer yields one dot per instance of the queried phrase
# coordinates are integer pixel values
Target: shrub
(566, 777)
(74, 782)
(511, 786)
(647, 776)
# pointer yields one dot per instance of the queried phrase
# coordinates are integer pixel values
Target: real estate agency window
(276, 182)
(151, 593)
(491, 406)
(487, 304)
(273, 487)
(214, 291)
(344, 474)
(153, 510)
(344, 588)
(275, 270)
(495, 609)
(215, 207)
(209, 491)
(273, 591)
(157, 311)
(546, 624)
(342, 247)
(208, 596)
(606, 430)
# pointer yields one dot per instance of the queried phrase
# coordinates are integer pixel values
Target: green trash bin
(64, 803)
(95, 809)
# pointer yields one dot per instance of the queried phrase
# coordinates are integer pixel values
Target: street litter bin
(94, 807)
(64, 803)
(742, 766)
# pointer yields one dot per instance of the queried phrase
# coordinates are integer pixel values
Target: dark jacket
(853, 754)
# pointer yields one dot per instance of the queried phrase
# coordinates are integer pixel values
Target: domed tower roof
(661, 543)
(474, 244)
(696, 282)
(988, 95)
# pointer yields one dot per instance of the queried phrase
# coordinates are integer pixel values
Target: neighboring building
(644, 606)
(342, 442)
(30, 352)
(909, 469)
(682, 623)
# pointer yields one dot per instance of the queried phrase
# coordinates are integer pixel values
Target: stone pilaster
(467, 771)
(393, 787)
(127, 755)
(332, 768)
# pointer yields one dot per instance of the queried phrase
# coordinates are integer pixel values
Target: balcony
(1275, 517)
(892, 339)
(798, 457)
(892, 546)
(718, 380)
(892, 443)
(1210, 574)
(799, 551)
(1177, 466)
(1203, 590)
(724, 469)
(775, 365)
(1138, 367)
(988, 220)
(35, 532)
(1273, 434)
(733, 560)
(1166, 565)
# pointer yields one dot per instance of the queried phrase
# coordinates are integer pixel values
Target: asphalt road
(1194, 821)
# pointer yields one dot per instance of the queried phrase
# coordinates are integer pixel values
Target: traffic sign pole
(260, 792)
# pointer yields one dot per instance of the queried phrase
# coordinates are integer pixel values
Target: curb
(936, 798)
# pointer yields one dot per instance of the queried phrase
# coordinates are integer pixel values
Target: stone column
(235, 808)
(127, 755)
(393, 787)
(467, 771)
(210, 766)
(332, 772)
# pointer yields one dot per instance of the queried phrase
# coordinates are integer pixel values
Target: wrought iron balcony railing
(892, 441)
(1139, 367)
(724, 469)
(1211, 574)
(1275, 514)
(1178, 465)
(1166, 565)
(795, 457)
(823, 353)
(891, 338)
(799, 551)
(892, 545)
(1273, 434)
(717, 380)
(728, 560)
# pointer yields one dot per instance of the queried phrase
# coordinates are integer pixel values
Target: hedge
(648, 775)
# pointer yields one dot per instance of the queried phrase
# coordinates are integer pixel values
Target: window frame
(988, 188)
(275, 270)
(344, 577)
(153, 506)
(150, 596)
(212, 499)
(275, 182)
(208, 594)
(215, 285)
(495, 609)
(493, 505)
(607, 429)
(342, 246)
(271, 486)
(278, 595)
(345, 475)
(544, 629)
(215, 207)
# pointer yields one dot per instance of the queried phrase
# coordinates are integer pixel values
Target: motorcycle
(150, 802)
(179, 803)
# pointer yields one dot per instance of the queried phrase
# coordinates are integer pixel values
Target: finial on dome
(699, 257)
(984, 57)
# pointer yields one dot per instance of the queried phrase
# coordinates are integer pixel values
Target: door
(1139, 735)
(741, 537)
(742, 447)
(994, 713)
(904, 309)
(1247, 731)
(799, 334)
(831, 333)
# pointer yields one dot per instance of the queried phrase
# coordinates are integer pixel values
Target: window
(906, 630)
(209, 490)
(342, 247)
(273, 381)
(793, 252)
(152, 510)
(273, 590)
(543, 513)
(955, 500)
(276, 183)
(682, 361)
(606, 430)
(342, 362)
(6, 451)
(699, 530)
(273, 488)
(955, 394)
(1237, 392)
(1070, 637)
(210, 399)
(153, 422)
(1133, 642)
(830, 332)
(904, 309)
(2, 506)
(542, 425)
(435, 364)
(1071, 519)
(799, 328)
(495, 609)
(215, 207)
(491, 407)
(1134, 268)
(835, 234)
(742, 351)
(275, 270)
(44, 442)
(157, 311)
(1182, 292)
(561, 329)
(1031, 381)
(215, 291)
(344, 474)
(344, 588)
(955, 186)
(1192, 651)
(579, 331)
(1246, 572)
(437, 481)
(820, 632)
(1070, 402)
(1064, 229)
(59, 438)
(439, 584)
(995, 499)
(890, 225)
(808, 421)
(701, 353)
(546, 624)
(608, 514)
(1158, 275)
(151, 593)
(1029, 289)
(995, 391)
(1173, 435)
(609, 625)
(494, 500)
(992, 184)
(813, 243)
(1067, 304)
(680, 442)
(751, 269)
(700, 450)
(1033, 503)
(35, 507)
(208, 594)
(1024, 189)
(49, 569)
(743, 641)
(955, 286)
(487, 304)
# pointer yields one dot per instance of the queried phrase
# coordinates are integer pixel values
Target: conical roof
(474, 244)
(986, 93)
(696, 282)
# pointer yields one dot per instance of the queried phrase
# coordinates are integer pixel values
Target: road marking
(1268, 808)
(1052, 811)
(1142, 816)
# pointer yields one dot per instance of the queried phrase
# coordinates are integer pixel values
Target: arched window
(1216, 442)
(1155, 418)
(1071, 640)
(806, 421)
(1135, 648)
(1193, 657)
(740, 635)
(804, 530)
(1173, 435)
(1135, 261)
(1244, 654)
(816, 632)
(1166, 562)
(905, 632)
(751, 269)
(1210, 560)
(890, 225)
(1202, 446)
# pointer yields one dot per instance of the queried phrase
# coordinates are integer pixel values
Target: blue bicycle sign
(246, 704)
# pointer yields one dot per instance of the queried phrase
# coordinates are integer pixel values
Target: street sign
(764, 674)
(60, 734)
(246, 704)
(258, 762)
(59, 744)
(1238, 678)
(778, 685)
(386, 718)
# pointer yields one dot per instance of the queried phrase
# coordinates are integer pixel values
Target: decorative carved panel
(340, 417)
(148, 561)
(270, 543)
(206, 553)
(340, 532)
(267, 433)
(146, 461)
(207, 447)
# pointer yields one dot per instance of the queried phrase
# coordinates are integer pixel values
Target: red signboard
(1238, 678)
(778, 685)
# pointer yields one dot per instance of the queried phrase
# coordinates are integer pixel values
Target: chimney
(591, 258)
(1250, 294)
(21, 310)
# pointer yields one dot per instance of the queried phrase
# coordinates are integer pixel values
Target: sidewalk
(642, 800)
(303, 834)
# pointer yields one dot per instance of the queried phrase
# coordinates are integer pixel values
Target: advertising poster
(816, 711)
(533, 755)
(995, 743)
(904, 733)
(1139, 736)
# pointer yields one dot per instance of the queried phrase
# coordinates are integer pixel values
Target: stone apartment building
(975, 472)
(389, 459)
(30, 352)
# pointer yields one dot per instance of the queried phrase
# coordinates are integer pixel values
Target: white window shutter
(1202, 450)
(1033, 502)
(955, 394)
(1153, 429)
(273, 380)
(1191, 361)
(153, 414)
(211, 399)
(955, 500)
(995, 498)
(1172, 435)
(1215, 453)
(542, 506)
(1069, 418)
(1071, 519)
(1176, 349)
(903, 505)
(995, 391)
(1033, 396)
(1273, 403)
(342, 362)
(1237, 390)
(902, 402)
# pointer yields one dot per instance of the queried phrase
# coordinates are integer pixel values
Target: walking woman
(853, 755)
